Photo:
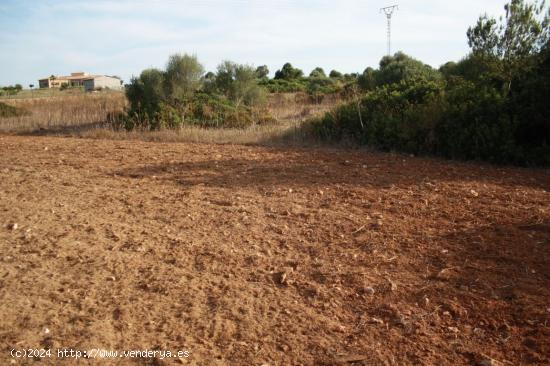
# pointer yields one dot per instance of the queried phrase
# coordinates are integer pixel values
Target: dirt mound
(250, 256)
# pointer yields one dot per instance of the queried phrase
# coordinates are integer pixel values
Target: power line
(389, 10)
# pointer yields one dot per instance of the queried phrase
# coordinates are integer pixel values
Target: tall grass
(67, 111)
(272, 135)
(296, 107)
(88, 115)
(42, 93)
(290, 110)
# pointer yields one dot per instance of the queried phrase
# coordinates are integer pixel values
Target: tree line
(491, 105)
(10, 89)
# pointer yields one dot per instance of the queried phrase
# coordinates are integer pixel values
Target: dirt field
(254, 256)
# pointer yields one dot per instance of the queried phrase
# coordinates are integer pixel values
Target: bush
(172, 98)
(367, 80)
(204, 110)
(239, 83)
(11, 90)
(530, 108)
(317, 72)
(262, 72)
(285, 86)
(476, 125)
(146, 93)
(401, 67)
(288, 72)
(11, 111)
(319, 86)
(182, 76)
(336, 74)
(390, 117)
(460, 119)
(492, 105)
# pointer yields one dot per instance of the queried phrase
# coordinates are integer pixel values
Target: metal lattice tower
(389, 10)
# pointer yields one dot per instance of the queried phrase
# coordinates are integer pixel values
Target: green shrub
(182, 77)
(460, 119)
(146, 93)
(239, 83)
(262, 72)
(476, 124)
(492, 105)
(390, 117)
(529, 98)
(317, 72)
(319, 86)
(181, 95)
(204, 110)
(11, 89)
(288, 72)
(285, 86)
(401, 67)
(11, 111)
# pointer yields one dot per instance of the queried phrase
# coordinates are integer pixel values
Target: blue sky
(40, 38)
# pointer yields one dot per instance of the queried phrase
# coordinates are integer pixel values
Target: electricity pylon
(389, 10)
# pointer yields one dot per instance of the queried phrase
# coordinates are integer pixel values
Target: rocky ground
(254, 256)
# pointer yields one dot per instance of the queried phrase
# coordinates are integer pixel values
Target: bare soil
(256, 256)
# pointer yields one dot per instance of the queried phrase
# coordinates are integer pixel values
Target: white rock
(376, 321)
(489, 362)
(369, 290)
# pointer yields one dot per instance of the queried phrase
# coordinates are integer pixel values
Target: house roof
(90, 77)
(79, 77)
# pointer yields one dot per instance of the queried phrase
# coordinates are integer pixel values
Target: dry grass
(86, 115)
(42, 93)
(276, 134)
(61, 112)
(296, 107)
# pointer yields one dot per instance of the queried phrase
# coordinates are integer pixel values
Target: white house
(102, 82)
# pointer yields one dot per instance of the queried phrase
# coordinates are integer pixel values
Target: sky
(44, 37)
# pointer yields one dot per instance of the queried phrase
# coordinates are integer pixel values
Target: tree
(448, 69)
(209, 82)
(318, 86)
(354, 76)
(530, 103)
(31, 86)
(262, 72)
(508, 45)
(10, 90)
(18, 87)
(225, 76)
(367, 80)
(317, 72)
(394, 69)
(288, 72)
(239, 83)
(146, 92)
(334, 74)
(472, 67)
(183, 76)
